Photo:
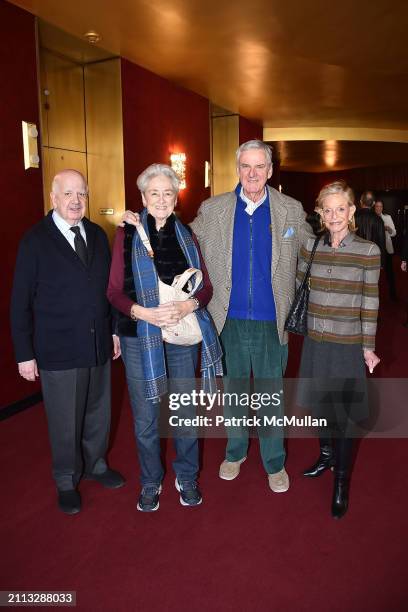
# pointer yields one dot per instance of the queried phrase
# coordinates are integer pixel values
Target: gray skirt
(332, 382)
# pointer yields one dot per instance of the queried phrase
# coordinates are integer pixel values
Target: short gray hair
(255, 144)
(157, 170)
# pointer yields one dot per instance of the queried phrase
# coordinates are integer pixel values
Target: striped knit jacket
(343, 301)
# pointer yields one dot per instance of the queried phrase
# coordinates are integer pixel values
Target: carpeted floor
(244, 548)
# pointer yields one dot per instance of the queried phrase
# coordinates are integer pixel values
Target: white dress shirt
(250, 205)
(65, 228)
(388, 222)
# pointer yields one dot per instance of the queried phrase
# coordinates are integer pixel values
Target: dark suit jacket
(371, 227)
(404, 252)
(60, 315)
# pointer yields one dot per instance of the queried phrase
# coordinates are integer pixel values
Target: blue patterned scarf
(151, 343)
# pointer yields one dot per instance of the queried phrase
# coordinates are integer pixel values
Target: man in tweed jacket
(250, 239)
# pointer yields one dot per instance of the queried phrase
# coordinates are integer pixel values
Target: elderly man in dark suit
(61, 327)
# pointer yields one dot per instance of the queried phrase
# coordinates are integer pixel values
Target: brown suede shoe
(230, 469)
(279, 482)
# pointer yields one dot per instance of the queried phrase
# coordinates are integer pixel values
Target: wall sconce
(178, 163)
(207, 174)
(30, 135)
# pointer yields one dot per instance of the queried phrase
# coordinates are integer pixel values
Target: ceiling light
(92, 37)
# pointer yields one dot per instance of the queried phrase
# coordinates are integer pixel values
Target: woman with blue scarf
(150, 362)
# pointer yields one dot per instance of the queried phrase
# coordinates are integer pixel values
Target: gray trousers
(77, 404)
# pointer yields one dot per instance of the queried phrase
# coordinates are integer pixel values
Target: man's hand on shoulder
(129, 217)
(28, 369)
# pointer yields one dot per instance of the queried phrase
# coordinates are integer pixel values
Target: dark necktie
(80, 245)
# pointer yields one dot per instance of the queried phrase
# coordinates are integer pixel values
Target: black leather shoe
(69, 501)
(108, 479)
(340, 497)
(324, 462)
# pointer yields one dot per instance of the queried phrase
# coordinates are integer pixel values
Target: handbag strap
(181, 279)
(309, 265)
(312, 254)
(145, 240)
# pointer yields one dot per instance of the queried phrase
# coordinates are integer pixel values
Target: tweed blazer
(214, 228)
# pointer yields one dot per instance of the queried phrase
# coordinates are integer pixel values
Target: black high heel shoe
(324, 462)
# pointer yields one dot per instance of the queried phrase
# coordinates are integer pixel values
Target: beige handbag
(187, 331)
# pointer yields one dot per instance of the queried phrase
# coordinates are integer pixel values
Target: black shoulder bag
(297, 317)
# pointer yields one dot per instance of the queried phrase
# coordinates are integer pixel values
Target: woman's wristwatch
(197, 303)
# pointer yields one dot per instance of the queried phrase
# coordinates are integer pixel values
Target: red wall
(248, 130)
(160, 118)
(21, 190)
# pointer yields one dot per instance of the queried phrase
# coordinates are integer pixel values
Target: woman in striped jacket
(342, 320)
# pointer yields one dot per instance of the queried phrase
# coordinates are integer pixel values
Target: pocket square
(289, 232)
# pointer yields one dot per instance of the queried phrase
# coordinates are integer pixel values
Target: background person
(369, 225)
(390, 232)
(313, 220)
(404, 259)
(61, 328)
(342, 315)
(133, 290)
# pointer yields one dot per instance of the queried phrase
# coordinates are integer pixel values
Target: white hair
(157, 170)
(255, 144)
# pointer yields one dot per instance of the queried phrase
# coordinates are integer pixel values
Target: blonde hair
(340, 188)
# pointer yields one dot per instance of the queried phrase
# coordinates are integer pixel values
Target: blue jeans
(181, 363)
